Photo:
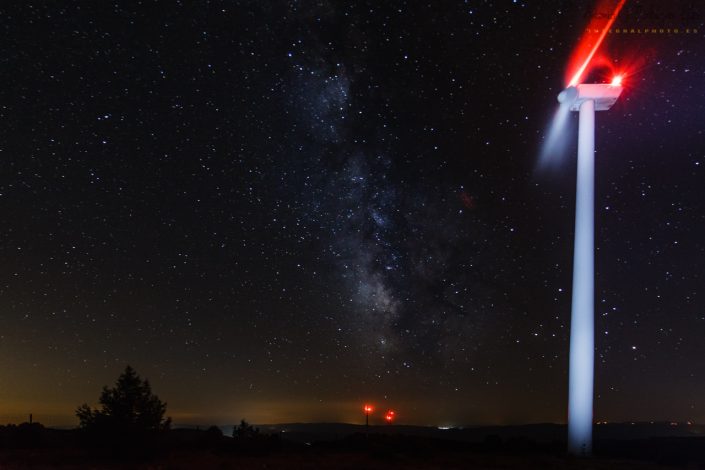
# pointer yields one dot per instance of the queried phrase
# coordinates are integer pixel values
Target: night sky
(281, 210)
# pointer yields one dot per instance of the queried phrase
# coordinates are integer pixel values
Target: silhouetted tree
(129, 411)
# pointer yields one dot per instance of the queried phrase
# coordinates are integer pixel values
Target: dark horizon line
(386, 425)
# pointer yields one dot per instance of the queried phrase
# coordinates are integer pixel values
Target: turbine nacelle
(603, 94)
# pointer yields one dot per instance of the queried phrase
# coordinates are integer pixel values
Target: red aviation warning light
(367, 409)
(389, 417)
(617, 80)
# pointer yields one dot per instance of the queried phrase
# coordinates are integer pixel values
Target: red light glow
(591, 40)
(368, 409)
(389, 416)
(617, 80)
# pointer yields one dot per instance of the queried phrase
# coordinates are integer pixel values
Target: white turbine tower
(585, 98)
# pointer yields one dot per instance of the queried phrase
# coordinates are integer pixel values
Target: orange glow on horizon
(585, 50)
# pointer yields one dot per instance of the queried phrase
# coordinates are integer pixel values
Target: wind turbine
(586, 99)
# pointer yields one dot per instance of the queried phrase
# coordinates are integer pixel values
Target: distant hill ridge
(540, 432)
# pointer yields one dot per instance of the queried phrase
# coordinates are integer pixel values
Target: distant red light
(389, 416)
(368, 409)
(617, 80)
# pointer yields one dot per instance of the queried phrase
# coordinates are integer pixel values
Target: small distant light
(617, 80)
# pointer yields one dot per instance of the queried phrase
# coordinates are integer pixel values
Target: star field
(279, 210)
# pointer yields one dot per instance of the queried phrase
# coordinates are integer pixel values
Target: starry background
(280, 210)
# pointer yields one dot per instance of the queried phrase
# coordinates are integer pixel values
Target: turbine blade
(556, 143)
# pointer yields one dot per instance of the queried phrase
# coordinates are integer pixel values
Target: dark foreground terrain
(532, 447)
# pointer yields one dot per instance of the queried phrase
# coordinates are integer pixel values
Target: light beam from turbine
(575, 79)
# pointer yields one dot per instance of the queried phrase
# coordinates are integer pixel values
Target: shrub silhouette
(214, 433)
(213, 436)
(129, 412)
(247, 439)
(245, 431)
